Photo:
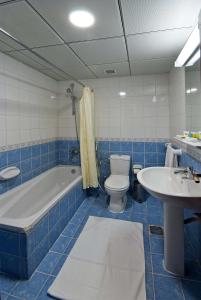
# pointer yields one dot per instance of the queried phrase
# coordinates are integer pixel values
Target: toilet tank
(119, 164)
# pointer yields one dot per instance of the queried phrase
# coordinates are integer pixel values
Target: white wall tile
(133, 116)
(27, 112)
(177, 101)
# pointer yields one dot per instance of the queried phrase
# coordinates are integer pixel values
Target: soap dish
(9, 173)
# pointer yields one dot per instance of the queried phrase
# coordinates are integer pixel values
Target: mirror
(193, 97)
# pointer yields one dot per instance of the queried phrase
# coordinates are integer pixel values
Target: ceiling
(130, 36)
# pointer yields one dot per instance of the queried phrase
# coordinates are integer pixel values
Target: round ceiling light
(81, 18)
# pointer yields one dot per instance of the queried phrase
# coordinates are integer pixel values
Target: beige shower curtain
(87, 139)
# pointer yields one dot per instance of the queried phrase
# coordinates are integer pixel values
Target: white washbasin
(176, 193)
(163, 183)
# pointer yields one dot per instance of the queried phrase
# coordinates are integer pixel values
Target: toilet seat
(117, 182)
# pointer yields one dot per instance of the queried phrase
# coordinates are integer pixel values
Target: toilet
(117, 184)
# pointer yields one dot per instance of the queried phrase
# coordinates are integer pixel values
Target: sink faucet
(190, 174)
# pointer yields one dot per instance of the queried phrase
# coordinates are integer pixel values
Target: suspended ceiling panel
(55, 75)
(62, 57)
(158, 44)
(101, 51)
(122, 69)
(34, 57)
(22, 22)
(151, 66)
(148, 15)
(27, 60)
(4, 47)
(107, 18)
(8, 43)
(43, 26)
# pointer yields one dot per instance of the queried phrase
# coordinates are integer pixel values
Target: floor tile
(149, 286)
(7, 284)
(193, 270)
(49, 262)
(155, 219)
(43, 294)
(191, 290)
(157, 263)
(167, 288)
(59, 265)
(29, 289)
(9, 297)
(70, 246)
(148, 263)
(61, 244)
(70, 230)
(157, 245)
(141, 218)
(139, 207)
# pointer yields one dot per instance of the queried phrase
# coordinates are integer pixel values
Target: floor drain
(156, 230)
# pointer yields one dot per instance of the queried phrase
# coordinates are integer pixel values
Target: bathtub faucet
(74, 151)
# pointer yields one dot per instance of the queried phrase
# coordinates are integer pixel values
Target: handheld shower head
(69, 91)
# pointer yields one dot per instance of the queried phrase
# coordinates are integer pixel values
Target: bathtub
(33, 215)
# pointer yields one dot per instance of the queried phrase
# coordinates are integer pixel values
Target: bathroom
(100, 105)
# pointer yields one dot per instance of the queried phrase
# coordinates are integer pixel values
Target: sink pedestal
(173, 239)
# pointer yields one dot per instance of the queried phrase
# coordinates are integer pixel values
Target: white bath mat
(106, 263)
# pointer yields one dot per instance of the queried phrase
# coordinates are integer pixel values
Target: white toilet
(117, 184)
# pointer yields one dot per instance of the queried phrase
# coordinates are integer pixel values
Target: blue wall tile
(138, 158)
(103, 146)
(25, 166)
(13, 156)
(150, 147)
(44, 148)
(35, 150)
(9, 242)
(114, 146)
(138, 147)
(25, 153)
(126, 146)
(3, 159)
(54, 215)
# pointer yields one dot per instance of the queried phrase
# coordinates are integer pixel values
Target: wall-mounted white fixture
(122, 94)
(190, 47)
(81, 18)
(9, 173)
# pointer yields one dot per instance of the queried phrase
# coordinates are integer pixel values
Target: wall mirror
(193, 97)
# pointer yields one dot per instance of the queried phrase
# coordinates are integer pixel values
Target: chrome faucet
(190, 174)
(74, 152)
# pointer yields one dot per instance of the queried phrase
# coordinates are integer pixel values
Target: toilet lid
(117, 182)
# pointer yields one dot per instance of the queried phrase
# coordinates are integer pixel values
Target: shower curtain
(87, 139)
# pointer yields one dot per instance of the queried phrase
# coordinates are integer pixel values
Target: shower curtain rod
(39, 56)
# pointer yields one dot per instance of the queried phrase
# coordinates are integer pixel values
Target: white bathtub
(25, 205)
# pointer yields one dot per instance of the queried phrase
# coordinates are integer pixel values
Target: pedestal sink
(176, 193)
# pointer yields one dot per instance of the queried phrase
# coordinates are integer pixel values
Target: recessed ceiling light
(122, 94)
(81, 18)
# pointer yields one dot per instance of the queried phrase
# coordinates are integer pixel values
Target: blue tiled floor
(160, 285)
